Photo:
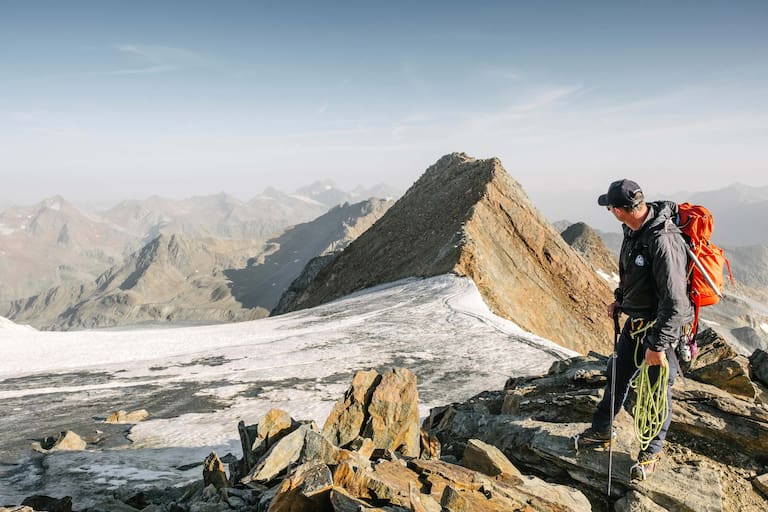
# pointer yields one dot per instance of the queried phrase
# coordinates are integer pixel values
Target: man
(653, 294)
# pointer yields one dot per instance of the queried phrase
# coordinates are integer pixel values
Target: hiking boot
(646, 465)
(592, 437)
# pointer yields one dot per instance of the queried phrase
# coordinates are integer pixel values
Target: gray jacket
(652, 272)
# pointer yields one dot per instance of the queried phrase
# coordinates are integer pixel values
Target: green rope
(651, 408)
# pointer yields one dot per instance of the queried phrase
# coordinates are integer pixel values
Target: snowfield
(198, 382)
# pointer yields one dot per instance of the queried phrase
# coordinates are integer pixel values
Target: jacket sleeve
(668, 263)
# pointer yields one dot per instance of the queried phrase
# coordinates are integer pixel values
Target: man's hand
(612, 308)
(653, 358)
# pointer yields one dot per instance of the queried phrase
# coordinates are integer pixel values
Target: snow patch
(613, 278)
(764, 327)
(7, 230)
(306, 199)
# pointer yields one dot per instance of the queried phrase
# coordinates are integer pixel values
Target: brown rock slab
(127, 417)
(274, 423)
(393, 414)
(279, 457)
(487, 459)
(307, 488)
(761, 484)
(346, 419)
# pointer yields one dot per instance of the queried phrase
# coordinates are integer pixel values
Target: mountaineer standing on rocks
(653, 294)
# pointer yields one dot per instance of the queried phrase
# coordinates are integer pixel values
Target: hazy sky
(110, 99)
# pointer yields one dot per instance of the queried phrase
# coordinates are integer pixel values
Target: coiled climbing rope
(651, 409)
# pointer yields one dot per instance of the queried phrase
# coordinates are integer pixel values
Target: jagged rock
(761, 484)
(477, 492)
(213, 472)
(383, 408)
(307, 488)
(469, 217)
(274, 424)
(430, 446)
(758, 365)
(731, 375)
(65, 441)
(487, 459)
(127, 417)
(540, 414)
(343, 502)
(49, 504)
(346, 419)
(280, 456)
(317, 447)
(17, 509)
(636, 502)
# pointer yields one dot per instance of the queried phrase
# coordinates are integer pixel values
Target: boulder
(274, 424)
(39, 502)
(487, 459)
(758, 366)
(761, 484)
(65, 441)
(127, 417)
(346, 419)
(308, 488)
(383, 408)
(277, 460)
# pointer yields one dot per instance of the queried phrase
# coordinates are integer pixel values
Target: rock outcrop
(470, 217)
(383, 408)
(316, 473)
(589, 244)
(715, 446)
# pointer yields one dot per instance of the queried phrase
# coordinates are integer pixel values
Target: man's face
(620, 213)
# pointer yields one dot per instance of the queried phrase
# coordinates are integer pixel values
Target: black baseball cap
(623, 193)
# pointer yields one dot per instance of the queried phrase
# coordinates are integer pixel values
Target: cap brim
(603, 200)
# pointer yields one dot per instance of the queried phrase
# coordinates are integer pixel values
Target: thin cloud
(158, 59)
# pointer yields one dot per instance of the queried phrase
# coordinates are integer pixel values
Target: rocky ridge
(469, 217)
(588, 243)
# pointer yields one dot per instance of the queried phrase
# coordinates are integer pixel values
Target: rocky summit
(470, 217)
(589, 244)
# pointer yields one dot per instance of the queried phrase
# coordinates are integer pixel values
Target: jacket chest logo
(640, 261)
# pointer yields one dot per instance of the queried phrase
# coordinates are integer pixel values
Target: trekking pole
(616, 332)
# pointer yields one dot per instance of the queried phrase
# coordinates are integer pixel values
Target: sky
(300, 362)
(109, 100)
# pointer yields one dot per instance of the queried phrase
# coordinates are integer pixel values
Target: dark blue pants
(627, 363)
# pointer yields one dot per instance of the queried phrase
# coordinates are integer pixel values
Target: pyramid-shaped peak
(470, 217)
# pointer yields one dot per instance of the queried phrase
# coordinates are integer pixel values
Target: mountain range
(53, 242)
(177, 278)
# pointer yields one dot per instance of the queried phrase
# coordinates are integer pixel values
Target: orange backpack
(696, 223)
